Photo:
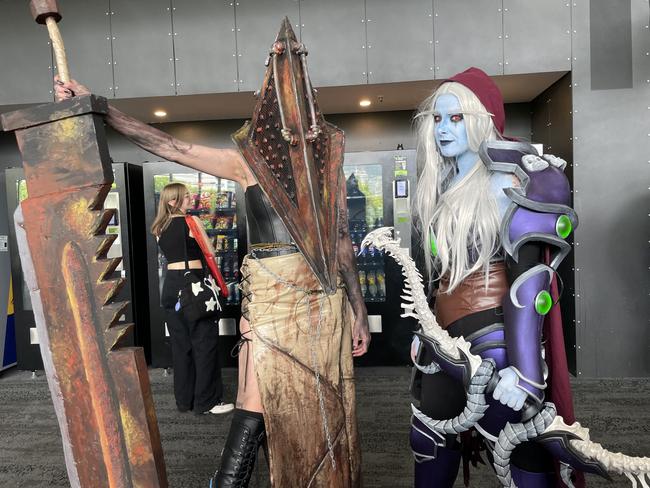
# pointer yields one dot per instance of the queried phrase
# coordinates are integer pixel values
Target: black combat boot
(246, 435)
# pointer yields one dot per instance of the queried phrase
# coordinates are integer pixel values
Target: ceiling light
(365, 102)
(160, 113)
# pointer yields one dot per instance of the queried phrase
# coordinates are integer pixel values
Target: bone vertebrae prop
(415, 305)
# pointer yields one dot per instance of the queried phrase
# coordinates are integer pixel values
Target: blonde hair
(463, 220)
(171, 191)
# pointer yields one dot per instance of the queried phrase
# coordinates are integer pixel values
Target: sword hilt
(46, 12)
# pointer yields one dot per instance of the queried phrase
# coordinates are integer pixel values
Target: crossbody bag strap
(185, 238)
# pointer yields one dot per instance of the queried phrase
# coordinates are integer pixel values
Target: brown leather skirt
(471, 296)
(296, 336)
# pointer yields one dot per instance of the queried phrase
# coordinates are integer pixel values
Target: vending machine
(219, 204)
(7, 323)
(126, 196)
(379, 187)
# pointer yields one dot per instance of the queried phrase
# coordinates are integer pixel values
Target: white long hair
(464, 219)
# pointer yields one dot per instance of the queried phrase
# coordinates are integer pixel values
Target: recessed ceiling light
(160, 113)
(365, 102)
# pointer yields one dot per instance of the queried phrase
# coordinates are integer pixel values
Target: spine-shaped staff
(545, 422)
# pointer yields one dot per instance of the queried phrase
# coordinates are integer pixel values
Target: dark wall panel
(86, 31)
(400, 40)
(204, 46)
(335, 35)
(537, 36)
(474, 41)
(26, 73)
(142, 48)
(258, 24)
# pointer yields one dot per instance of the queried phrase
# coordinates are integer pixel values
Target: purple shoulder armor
(539, 209)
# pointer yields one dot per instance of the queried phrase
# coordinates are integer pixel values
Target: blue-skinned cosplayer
(494, 219)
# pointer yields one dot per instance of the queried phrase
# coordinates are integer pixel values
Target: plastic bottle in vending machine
(227, 267)
(371, 277)
(362, 283)
(381, 284)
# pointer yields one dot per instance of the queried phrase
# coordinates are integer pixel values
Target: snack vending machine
(218, 203)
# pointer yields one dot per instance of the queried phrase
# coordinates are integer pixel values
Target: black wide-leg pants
(197, 373)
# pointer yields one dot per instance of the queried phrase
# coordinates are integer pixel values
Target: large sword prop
(570, 443)
(100, 390)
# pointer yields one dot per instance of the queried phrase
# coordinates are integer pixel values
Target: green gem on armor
(432, 242)
(563, 226)
(543, 302)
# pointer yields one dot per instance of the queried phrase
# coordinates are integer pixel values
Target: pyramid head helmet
(296, 156)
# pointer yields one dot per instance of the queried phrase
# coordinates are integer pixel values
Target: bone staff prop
(415, 305)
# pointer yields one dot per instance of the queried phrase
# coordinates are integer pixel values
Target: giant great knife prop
(100, 390)
(569, 443)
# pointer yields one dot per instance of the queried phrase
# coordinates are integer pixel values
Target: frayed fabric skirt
(302, 355)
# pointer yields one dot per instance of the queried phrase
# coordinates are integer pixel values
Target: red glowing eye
(437, 119)
(456, 118)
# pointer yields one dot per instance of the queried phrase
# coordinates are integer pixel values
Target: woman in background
(197, 374)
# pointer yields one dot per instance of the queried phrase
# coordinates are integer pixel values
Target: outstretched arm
(350, 275)
(223, 163)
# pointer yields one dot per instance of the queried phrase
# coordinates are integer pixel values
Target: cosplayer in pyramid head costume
(296, 282)
(494, 219)
(303, 311)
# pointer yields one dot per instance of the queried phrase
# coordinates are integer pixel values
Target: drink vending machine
(371, 181)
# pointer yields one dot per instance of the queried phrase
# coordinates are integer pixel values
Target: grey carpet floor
(616, 411)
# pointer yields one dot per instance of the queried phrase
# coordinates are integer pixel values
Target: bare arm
(348, 270)
(223, 163)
